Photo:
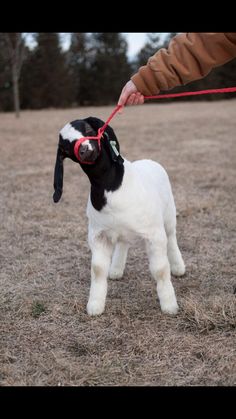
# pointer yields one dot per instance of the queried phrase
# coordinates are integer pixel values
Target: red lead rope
(165, 96)
(199, 92)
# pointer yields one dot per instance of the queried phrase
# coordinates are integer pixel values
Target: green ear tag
(115, 155)
(113, 145)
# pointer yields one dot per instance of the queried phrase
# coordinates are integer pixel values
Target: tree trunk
(16, 92)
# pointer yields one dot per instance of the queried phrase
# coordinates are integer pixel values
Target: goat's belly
(116, 230)
(120, 234)
(126, 224)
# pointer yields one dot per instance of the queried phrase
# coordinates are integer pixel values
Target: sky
(136, 41)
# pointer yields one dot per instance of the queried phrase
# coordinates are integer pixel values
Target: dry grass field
(46, 336)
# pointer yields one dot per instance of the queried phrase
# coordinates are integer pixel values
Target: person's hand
(130, 95)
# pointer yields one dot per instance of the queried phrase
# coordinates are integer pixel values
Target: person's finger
(131, 99)
(123, 98)
(130, 96)
(127, 90)
(141, 100)
(137, 99)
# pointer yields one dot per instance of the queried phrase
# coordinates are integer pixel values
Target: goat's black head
(89, 153)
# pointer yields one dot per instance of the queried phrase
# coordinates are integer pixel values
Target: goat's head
(90, 154)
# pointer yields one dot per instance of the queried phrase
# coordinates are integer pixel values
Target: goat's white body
(139, 207)
(142, 206)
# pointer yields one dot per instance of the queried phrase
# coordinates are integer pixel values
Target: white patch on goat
(71, 134)
(87, 142)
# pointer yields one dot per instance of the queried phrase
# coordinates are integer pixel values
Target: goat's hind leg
(119, 260)
(160, 270)
(177, 265)
(101, 248)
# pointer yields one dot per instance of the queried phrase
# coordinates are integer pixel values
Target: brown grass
(46, 337)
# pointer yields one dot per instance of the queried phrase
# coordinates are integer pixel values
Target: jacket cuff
(145, 81)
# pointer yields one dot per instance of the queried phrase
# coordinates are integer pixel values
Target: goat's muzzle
(83, 153)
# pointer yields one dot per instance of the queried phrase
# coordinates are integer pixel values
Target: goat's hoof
(94, 308)
(170, 309)
(115, 274)
(178, 269)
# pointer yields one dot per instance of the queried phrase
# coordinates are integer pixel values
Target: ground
(46, 336)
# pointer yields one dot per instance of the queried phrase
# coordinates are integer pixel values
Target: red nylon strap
(102, 129)
(165, 96)
(199, 92)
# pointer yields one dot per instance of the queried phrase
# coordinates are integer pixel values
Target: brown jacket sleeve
(189, 57)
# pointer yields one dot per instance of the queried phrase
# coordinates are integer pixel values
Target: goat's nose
(85, 151)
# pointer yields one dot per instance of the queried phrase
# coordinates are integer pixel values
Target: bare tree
(15, 50)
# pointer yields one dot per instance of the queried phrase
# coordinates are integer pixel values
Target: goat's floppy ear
(58, 175)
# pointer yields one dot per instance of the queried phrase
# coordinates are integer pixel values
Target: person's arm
(189, 57)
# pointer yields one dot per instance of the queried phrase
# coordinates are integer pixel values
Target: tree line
(92, 71)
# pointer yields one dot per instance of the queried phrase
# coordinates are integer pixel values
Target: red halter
(96, 138)
(78, 144)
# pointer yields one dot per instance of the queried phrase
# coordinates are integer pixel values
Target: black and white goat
(127, 199)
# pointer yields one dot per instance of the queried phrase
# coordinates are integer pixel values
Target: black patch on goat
(106, 174)
(58, 175)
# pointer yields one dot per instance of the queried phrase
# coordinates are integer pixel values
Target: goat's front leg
(101, 248)
(160, 270)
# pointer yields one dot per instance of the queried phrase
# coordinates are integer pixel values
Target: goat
(127, 200)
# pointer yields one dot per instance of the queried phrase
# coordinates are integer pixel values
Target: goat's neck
(105, 176)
